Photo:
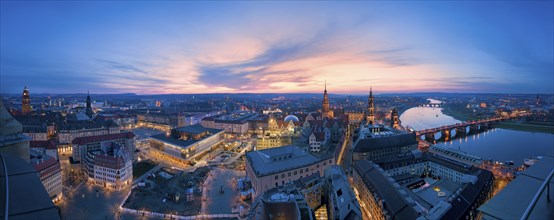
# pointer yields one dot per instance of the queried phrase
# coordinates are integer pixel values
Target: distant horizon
(288, 93)
(174, 47)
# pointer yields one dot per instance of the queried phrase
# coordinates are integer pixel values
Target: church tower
(89, 111)
(26, 102)
(395, 121)
(325, 109)
(370, 108)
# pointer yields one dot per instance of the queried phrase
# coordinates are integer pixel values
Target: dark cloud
(129, 74)
(121, 66)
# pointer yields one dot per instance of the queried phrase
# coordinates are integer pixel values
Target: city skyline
(254, 47)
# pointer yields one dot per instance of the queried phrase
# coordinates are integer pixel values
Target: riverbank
(526, 126)
(459, 113)
(447, 110)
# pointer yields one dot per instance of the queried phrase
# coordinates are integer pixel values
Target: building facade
(81, 146)
(185, 144)
(67, 132)
(274, 167)
(161, 121)
(341, 200)
(50, 173)
(235, 123)
(109, 165)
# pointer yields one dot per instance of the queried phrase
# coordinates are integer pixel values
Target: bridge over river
(461, 128)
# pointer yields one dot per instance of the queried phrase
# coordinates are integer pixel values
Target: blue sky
(204, 47)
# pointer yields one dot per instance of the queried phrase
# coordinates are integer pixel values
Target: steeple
(370, 108)
(370, 92)
(26, 101)
(325, 108)
(88, 110)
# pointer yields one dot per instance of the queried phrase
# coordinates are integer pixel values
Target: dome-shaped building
(291, 118)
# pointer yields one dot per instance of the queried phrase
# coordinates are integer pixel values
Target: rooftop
(279, 159)
(196, 129)
(49, 144)
(183, 143)
(376, 143)
(396, 204)
(99, 138)
(28, 198)
(512, 201)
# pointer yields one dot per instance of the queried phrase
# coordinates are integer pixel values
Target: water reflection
(420, 118)
(497, 144)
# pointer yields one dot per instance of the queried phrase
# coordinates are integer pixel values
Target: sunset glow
(193, 47)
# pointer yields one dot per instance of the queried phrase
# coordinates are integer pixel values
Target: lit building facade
(161, 121)
(185, 144)
(50, 173)
(109, 165)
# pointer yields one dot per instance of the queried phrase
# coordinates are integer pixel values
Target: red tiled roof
(109, 161)
(50, 144)
(106, 137)
(41, 168)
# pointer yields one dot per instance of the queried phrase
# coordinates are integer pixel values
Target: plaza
(220, 194)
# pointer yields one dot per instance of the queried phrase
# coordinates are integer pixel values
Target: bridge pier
(474, 128)
(484, 126)
(461, 131)
(445, 135)
(430, 137)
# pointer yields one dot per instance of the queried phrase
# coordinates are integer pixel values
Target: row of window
(295, 172)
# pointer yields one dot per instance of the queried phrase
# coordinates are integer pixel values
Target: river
(496, 144)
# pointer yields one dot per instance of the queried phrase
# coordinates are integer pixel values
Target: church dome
(291, 118)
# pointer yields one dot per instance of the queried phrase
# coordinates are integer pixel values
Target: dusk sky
(208, 47)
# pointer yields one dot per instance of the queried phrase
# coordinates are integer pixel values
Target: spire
(325, 86)
(370, 108)
(370, 92)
